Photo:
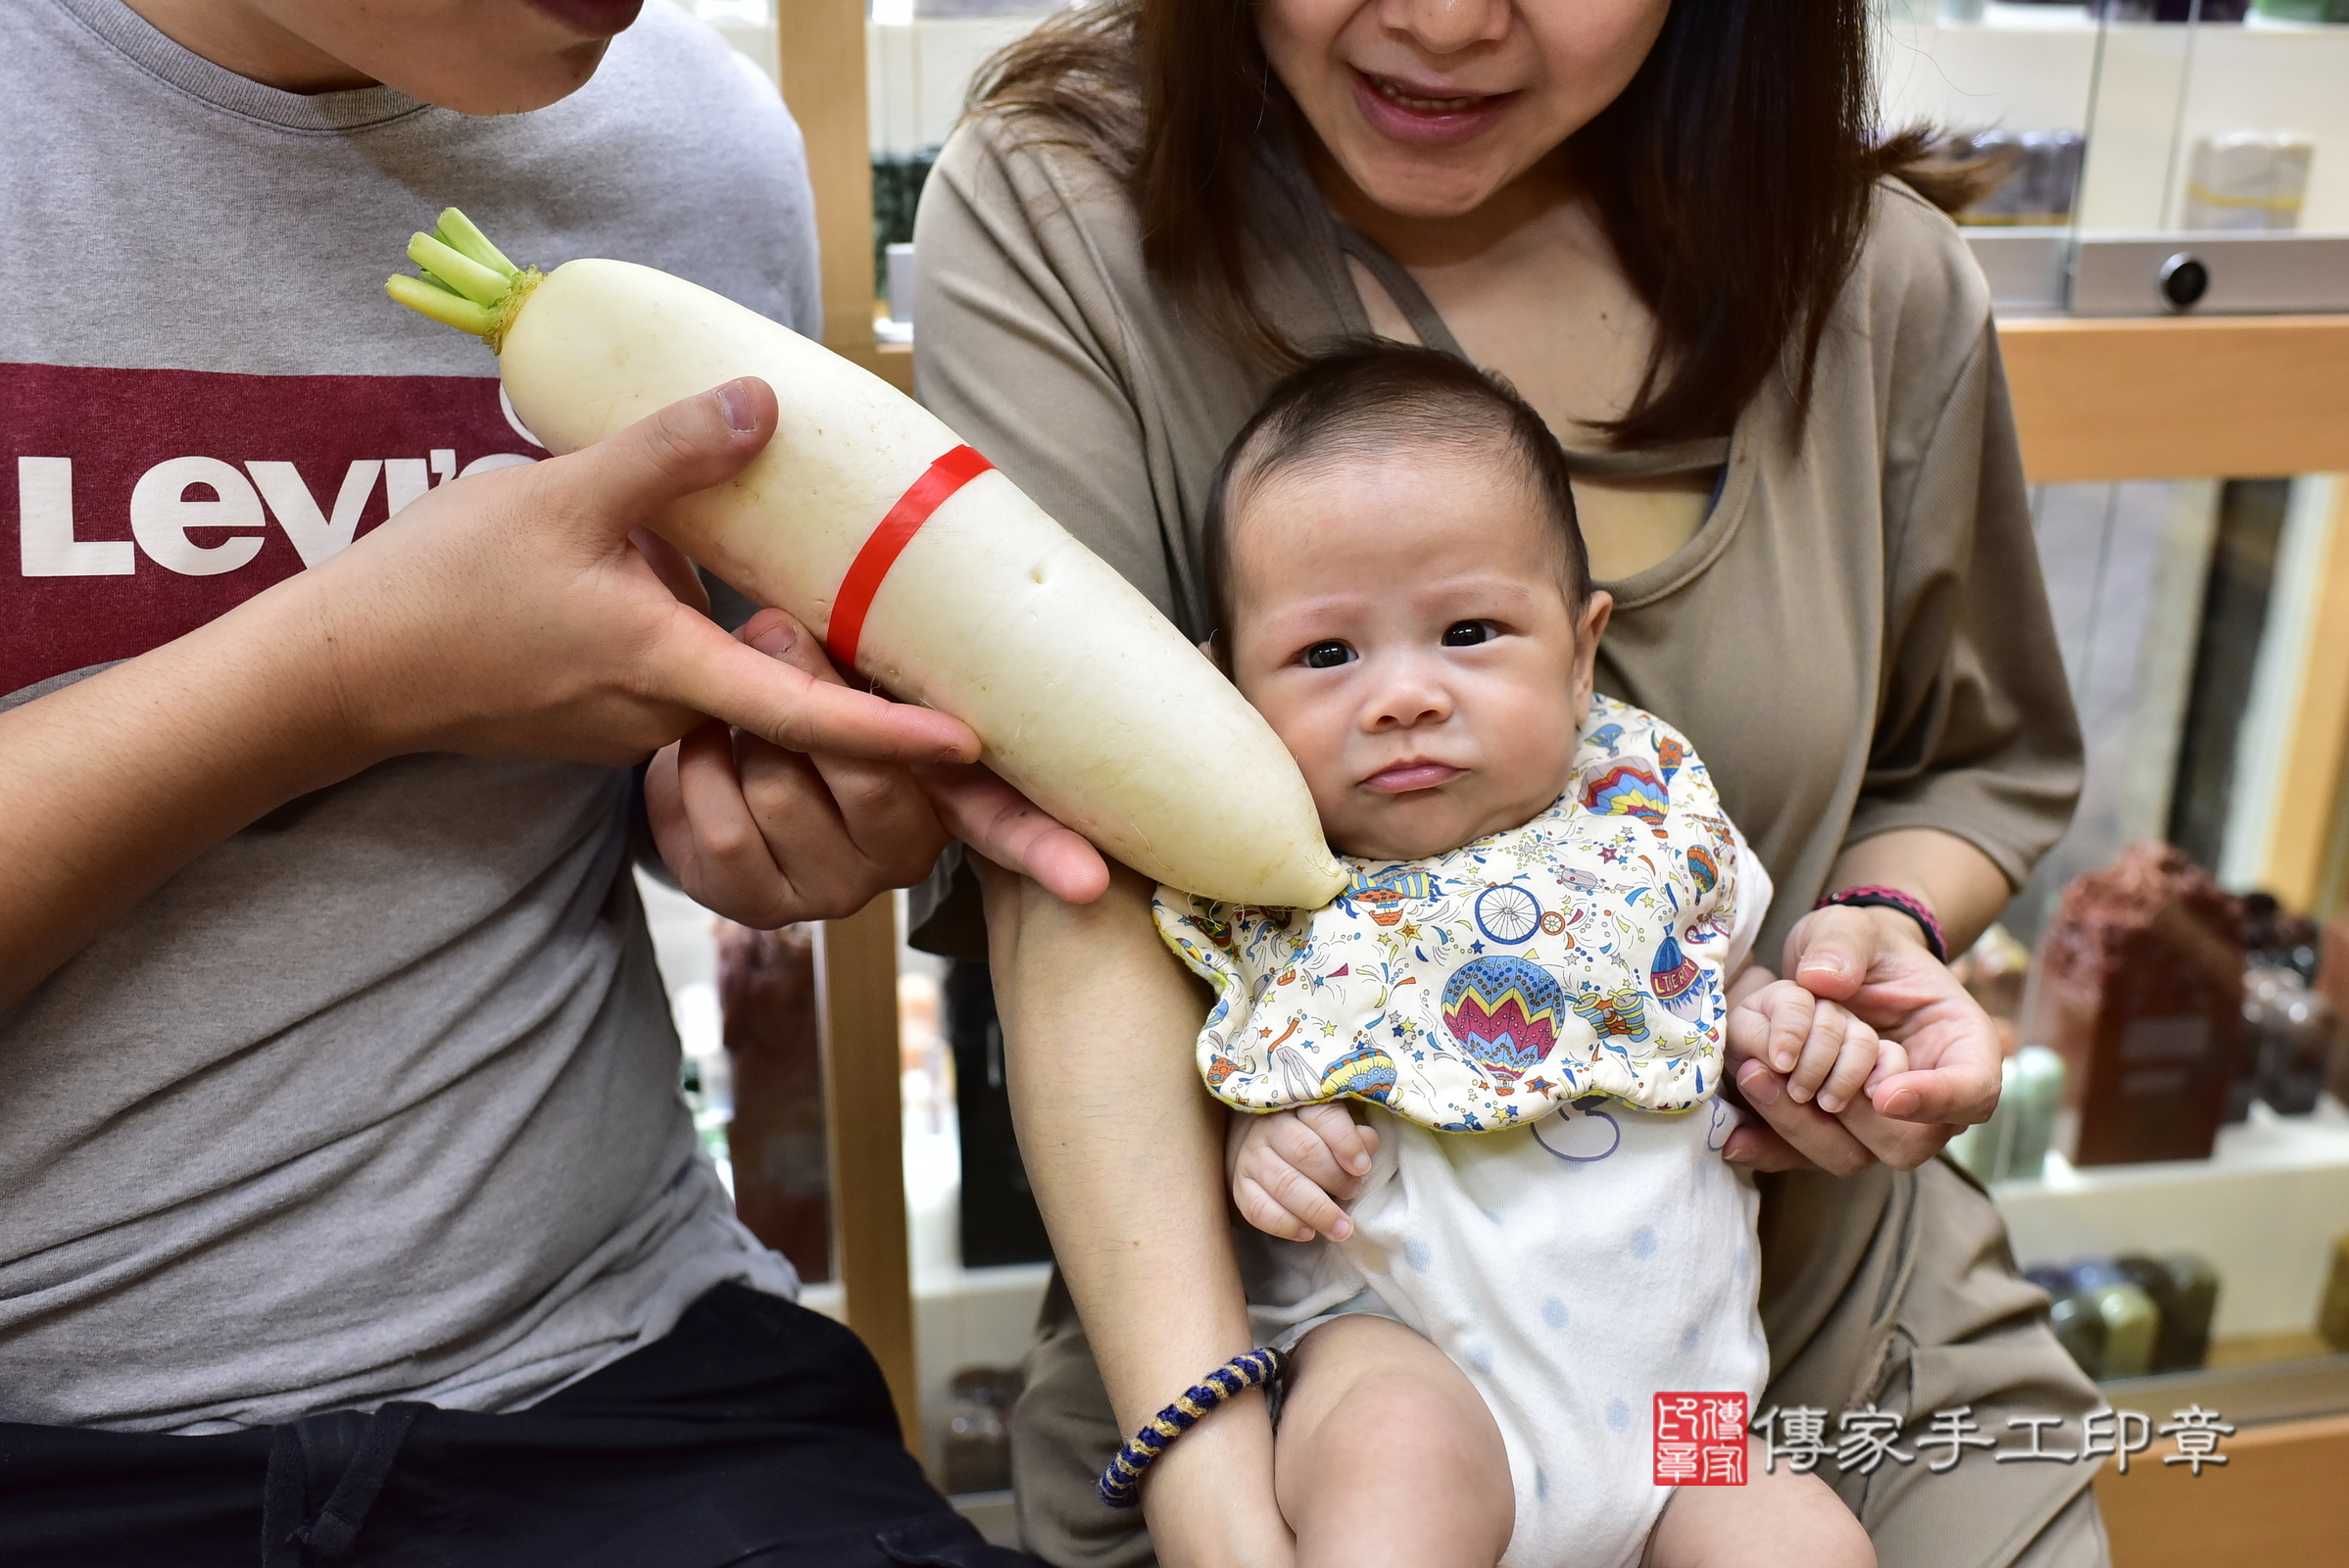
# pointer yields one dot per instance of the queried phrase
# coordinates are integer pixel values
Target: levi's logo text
(143, 503)
(1700, 1439)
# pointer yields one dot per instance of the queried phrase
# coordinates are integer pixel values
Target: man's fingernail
(1738, 1155)
(1822, 963)
(1759, 1086)
(734, 402)
(777, 640)
(1901, 1103)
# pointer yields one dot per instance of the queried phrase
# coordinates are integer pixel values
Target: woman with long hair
(1673, 226)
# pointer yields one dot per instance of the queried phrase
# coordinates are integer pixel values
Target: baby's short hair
(1369, 396)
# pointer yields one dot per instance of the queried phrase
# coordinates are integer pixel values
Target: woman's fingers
(1830, 953)
(1960, 1093)
(1818, 1137)
(1756, 1146)
(1901, 1145)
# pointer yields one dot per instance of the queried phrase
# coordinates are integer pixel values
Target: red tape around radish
(880, 551)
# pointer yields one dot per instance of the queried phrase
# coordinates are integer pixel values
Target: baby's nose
(1411, 699)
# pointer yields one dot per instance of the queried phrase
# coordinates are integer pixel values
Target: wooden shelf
(2279, 1500)
(2180, 398)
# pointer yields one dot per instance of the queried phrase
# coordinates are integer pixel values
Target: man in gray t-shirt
(335, 1074)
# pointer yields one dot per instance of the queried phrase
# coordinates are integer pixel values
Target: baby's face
(1403, 622)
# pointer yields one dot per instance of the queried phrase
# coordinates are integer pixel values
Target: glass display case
(2162, 155)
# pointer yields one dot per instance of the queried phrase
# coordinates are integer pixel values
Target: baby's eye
(1467, 633)
(1325, 655)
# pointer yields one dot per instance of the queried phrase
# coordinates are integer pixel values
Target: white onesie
(1533, 1022)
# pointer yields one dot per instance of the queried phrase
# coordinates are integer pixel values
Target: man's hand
(507, 614)
(1292, 1170)
(766, 836)
(516, 613)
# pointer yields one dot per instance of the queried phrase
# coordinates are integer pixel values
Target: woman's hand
(1875, 964)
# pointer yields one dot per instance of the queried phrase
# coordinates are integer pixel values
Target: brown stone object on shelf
(766, 997)
(2140, 988)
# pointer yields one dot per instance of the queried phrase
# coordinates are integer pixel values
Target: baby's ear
(1213, 649)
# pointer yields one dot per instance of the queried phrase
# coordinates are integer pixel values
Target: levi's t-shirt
(378, 1097)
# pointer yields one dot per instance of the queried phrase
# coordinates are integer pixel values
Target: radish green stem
(447, 308)
(458, 233)
(456, 269)
(468, 283)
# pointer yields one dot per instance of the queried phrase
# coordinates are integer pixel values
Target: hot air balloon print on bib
(1504, 1013)
(1623, 787)
(1703, 870)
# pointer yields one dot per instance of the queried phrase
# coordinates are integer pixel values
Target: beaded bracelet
(1121, 1482)
(1893, 898)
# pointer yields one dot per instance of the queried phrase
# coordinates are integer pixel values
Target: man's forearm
(110, 786)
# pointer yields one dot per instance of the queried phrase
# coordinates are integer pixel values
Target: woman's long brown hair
(1734, 173)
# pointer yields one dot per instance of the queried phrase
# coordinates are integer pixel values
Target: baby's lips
(1418, 774)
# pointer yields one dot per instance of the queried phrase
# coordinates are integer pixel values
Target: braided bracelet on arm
(1121, 1482)
(1876, 898)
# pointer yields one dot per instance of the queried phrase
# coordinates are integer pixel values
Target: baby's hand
(1290, 1169)
(1823, 1050)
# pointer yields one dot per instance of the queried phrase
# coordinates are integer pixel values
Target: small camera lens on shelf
(2185, 279)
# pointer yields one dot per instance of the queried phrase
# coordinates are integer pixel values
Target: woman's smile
(1410, 113)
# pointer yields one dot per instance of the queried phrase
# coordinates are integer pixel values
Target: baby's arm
(1290, 1169)
(1827, 1053)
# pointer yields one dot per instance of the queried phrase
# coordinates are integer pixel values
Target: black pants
(757, 1434)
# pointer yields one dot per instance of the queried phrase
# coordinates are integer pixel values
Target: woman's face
(1432, 106)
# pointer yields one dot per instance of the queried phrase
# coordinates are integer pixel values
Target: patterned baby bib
(1578, 955)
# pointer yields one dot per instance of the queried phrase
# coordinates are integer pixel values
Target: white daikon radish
(1083, 696)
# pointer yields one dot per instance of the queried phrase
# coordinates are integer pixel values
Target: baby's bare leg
(1387, 1455)
(1777, 1519)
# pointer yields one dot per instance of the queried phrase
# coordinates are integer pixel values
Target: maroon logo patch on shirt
(142, 504)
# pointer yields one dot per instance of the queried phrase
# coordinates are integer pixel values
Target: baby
(1524, 988)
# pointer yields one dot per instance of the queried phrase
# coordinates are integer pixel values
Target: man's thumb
(690, 445)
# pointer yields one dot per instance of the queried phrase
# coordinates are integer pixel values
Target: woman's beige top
(1857, 638)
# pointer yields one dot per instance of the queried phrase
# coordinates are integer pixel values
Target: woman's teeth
(1426, 105)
